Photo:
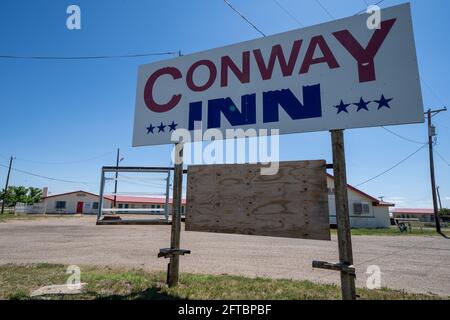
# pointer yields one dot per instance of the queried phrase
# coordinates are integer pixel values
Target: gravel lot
(414, 264)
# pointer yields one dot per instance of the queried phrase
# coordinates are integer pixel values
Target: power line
(393, 167)
(243, 17)
(442, 157)
(376, 4)
(45, 177)
(87, 57)
(402, 137)
(433, 92)
(325, 9)
(288, 13)
(67, 162)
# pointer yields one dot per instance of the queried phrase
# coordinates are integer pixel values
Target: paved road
(415, 264)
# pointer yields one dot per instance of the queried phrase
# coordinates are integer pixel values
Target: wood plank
(238, 199)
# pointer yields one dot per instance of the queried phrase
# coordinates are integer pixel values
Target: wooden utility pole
(431, 134)
(342, 215)
(6, 185)
(439, 198)
(174, 265)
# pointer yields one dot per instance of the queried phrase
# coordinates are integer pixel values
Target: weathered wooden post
(342, 215)
(174, 265)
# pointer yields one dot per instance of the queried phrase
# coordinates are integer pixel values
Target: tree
(34, 195)
(444, 212)
(21, 194)
(8, 198)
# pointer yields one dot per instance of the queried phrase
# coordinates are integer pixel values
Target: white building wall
(72, 200)
(377, 217)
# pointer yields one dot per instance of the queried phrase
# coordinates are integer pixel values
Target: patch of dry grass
(18, 281)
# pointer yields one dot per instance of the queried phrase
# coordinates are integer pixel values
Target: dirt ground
(413, 264)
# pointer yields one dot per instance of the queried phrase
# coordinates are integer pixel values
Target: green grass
(18, 281)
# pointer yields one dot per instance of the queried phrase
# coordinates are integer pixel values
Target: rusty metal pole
(342, 215)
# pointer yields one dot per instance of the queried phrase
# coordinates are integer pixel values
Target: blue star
(173, 126)
(342, 107)
(161, 128)
(150, 129)
(383, 102)
(362, 105)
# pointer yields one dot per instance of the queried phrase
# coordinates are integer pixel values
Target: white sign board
(337, 75)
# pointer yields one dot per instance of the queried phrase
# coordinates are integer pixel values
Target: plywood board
(238, 199)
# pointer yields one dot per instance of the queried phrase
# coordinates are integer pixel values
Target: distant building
(424, 215)
(365, 210)
(82, 202)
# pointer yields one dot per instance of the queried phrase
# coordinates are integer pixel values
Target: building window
(95, 205)
(60, 205)
(366, 208)
(361, 208)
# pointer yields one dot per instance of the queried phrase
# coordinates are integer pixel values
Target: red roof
(123, 199)
(413, 211)
(375, 202)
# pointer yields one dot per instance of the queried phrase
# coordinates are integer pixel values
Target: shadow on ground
(153, 293)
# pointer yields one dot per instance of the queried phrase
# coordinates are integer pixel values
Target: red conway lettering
(243, 75)
(327, 55)
(277, 54)
(148, 90)
(212, 75)
(365, 57)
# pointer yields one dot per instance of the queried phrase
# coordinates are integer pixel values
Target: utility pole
(117, 175)
(439, 198)
(431, 134)
(6, 185)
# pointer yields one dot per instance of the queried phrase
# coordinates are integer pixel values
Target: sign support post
(174, 264)
(342, 215)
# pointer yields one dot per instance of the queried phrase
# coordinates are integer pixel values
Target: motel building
(365, 210)
(83, 202)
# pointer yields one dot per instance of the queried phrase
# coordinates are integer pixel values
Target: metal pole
(100, 201)
(433, 179)
(174, 265)
(342, 214)
(6, 185)
(117, 175)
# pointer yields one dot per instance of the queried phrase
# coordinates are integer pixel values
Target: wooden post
(342, 215)
(174, 265)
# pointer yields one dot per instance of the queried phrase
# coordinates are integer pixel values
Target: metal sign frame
(101, 209)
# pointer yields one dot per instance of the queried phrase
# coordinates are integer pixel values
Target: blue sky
(65, 119)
